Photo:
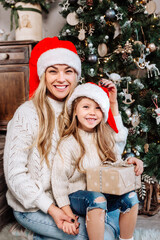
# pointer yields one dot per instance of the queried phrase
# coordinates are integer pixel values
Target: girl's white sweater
(28, 180)
(65, 177)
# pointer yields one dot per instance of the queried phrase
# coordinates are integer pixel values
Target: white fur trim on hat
(58, 56)
(91, 91)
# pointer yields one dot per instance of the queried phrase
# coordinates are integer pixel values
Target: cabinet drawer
(14, 54)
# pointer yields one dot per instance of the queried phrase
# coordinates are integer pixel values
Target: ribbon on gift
(14, 14)
(114, 164)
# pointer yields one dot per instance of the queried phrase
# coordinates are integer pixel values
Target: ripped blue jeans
(81, 201)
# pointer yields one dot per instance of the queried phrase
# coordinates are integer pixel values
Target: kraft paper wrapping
(112, 180)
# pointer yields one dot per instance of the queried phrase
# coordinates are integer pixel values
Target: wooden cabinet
(14, 90)
(14, 75)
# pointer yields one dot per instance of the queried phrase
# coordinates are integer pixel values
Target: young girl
(88, 142)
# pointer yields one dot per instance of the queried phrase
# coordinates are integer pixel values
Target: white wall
(52, 22)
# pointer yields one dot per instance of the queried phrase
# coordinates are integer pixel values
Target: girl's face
(89, 114)
(60, 79)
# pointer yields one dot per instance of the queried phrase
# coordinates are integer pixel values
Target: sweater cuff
(118, 120)
(44, 202)
(62, 201)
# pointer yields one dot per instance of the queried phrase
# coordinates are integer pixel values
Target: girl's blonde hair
(46, 118)
(103, 137)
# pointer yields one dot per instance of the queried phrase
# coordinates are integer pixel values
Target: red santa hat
(98, 94)
(48, 52)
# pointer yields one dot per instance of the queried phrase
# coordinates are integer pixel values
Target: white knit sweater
(65, 177)
(28, 180)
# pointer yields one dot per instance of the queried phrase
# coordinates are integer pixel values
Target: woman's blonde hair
(46, 118)
(103, 137)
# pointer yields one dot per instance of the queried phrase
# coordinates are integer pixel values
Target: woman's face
(60, 79)
(89, 114)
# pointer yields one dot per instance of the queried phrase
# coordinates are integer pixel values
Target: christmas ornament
(92, 58)
(138, 83)
(128, 96)
(110, 14)
(72, 19)
(79, 10)
(151, 68)
(117, 29)
(106, 37)
(151, 7)
(119, 16)
(157, 110)
(89, 2)
(81, 35)
(143, 2)
(91, 29)
(91, 72)
(128, 112)
(102, 49)
(131, 131)
(116, 78)
(152, 47)
(135, 119)
(146, 147)
(65, 6)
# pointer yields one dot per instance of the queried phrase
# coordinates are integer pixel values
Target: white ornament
(128, 112)
(128, 97)
(119, 16)
(151, 7)
(72, 19)
(158, 115)
(102, 49)
(81, 35)
(135, 119)
(65, 6)
(151, 68)
(116, 78)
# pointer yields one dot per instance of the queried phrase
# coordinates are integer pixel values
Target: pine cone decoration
(131, 131)
(89, 2)
(131, 8)
(143, 93)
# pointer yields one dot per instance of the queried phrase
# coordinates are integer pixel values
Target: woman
(31, 142)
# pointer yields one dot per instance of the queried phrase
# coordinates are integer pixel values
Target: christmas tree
(120, 40)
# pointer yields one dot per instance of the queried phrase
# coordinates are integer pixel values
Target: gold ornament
(146, 147)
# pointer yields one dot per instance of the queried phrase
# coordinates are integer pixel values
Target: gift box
(112, 179)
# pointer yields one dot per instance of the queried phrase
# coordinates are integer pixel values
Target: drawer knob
(4, 56)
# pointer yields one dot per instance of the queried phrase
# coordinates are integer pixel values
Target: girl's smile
(89, 114)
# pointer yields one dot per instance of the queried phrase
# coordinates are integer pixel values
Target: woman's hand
(139, 165)
(112, 94)
(59, 216)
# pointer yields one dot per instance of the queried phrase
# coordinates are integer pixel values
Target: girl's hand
(112, 95)
(111, 89)
(59, 216)
(70, 228)
(139, 165)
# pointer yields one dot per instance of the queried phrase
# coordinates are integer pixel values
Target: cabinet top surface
(5, 43)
